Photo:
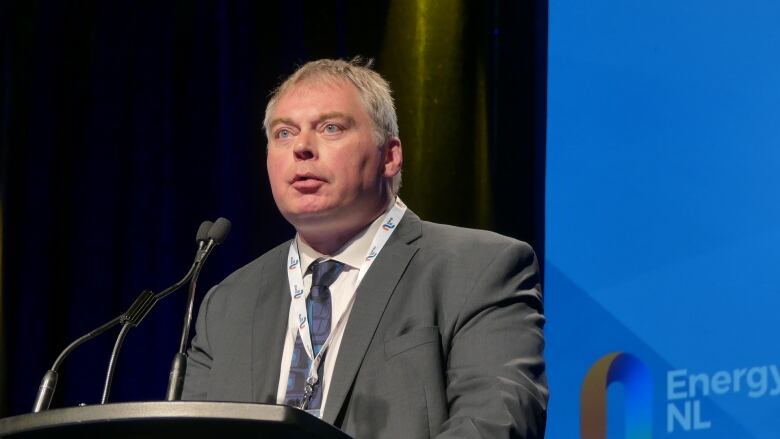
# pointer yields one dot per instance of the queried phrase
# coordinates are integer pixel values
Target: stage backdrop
(123, 124)
(663, 219)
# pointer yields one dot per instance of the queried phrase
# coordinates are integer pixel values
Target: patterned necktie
(318, 306)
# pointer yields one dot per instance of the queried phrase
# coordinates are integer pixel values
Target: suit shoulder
(462, 239)
(251, 273)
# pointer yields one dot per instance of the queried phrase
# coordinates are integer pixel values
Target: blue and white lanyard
(295, 277)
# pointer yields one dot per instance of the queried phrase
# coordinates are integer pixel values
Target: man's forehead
(295, 101)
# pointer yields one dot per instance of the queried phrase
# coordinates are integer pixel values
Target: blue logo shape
(293, 262)
(388, 225)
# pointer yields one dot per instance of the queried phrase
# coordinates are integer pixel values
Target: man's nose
(305, 146)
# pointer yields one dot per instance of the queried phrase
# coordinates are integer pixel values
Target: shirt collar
(352, 253)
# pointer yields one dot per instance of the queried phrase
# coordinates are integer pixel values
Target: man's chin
(326, 217)
(301, 215)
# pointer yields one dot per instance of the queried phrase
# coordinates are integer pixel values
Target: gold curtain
(437, 73)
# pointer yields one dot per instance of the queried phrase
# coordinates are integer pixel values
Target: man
(384, 325)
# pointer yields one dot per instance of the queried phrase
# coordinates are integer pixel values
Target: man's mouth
(307, 182)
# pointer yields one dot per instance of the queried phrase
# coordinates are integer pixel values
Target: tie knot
(324, 273)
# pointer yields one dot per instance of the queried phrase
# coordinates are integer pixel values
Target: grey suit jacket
(444, 339)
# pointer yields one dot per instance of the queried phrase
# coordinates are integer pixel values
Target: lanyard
(295, 277)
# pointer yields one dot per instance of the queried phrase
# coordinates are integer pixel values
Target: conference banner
(662, 270)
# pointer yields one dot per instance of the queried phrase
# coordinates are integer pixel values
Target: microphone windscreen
(203, 231)
(219, 231)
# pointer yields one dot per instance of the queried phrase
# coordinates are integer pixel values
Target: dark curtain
(124, 124)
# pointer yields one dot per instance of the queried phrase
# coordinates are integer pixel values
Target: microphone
(219, 231)
(216, 235)
(133, 316)
(203, 233)
(205, 246)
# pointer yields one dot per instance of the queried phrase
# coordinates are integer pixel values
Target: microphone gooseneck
(203, 238)
(49, 382)
(216, 235)
(132, 317)
(112, 362)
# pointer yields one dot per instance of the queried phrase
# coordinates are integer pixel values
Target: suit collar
(409, 229)
(353, 253)
(371, 299)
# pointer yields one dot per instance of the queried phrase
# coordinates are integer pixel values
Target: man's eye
(332, 128)
(284, 133)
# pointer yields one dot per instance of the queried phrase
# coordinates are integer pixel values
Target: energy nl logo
(635, 376)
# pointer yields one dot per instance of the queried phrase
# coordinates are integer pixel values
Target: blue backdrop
(662, 214)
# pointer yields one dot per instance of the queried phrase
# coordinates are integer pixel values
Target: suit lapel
(269, 327)
(371, 299)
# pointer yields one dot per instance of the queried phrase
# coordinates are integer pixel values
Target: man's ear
(393, 157)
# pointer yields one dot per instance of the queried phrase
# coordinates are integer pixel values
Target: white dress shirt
(352, 255)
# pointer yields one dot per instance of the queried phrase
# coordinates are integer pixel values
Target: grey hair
(374, 90)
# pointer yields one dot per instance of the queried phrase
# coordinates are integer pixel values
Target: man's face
(327, 173)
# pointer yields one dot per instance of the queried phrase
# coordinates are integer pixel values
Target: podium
(188, 419)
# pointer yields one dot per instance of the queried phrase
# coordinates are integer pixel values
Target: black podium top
(187, 419)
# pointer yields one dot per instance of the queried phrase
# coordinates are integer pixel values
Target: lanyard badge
(295, 278)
